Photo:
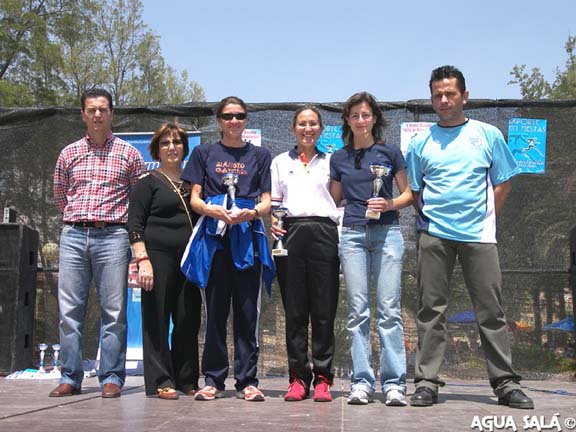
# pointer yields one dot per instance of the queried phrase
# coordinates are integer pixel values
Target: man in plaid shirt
(92, 181)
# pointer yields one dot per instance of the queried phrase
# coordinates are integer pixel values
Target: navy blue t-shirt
(210, 162)
(357, 183)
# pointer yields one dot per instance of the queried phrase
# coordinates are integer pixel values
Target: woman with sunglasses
(228, 252)
(371, 246)
(308, 275)
(160, 221)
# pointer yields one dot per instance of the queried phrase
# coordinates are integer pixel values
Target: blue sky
(324, 51)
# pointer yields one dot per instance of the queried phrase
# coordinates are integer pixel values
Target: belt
(320, 219)
(93, 224)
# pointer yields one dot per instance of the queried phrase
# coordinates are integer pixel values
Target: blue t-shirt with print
(455, 170)
(357, 183)
(210, 162)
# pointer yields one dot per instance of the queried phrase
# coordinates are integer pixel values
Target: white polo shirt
(304, 191)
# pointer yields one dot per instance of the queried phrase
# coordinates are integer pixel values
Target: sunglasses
(358, 155)
(230, 116)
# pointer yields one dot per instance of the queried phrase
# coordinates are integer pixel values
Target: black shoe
(423, 397)
(516, 399)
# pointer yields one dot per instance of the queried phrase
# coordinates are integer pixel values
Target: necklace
(176, 184)
(179, 192)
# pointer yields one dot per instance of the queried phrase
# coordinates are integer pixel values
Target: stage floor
(463, 406)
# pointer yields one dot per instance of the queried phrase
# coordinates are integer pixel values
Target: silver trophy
(279, 213)
(379, 171)
(230, 180)
(56, 356)
(42, 347)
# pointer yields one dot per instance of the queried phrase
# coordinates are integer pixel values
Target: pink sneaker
(322, 391)
(208, 393)
(251, 394)
(296, 391)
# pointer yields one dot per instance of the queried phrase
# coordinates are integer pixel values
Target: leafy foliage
(533, 85)
(53, 50)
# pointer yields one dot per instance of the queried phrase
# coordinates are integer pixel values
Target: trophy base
(279, 252)
(371, 214)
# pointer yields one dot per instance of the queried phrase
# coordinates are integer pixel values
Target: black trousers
(172, 297)
(309, 284)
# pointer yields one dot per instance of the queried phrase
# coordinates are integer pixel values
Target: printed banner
(141, 140)
(253, 136)
(409, 130)
(330, 140)
(527, 142)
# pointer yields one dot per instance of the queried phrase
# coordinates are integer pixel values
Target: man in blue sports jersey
(459, 171)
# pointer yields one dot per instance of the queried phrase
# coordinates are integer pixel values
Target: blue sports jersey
(352, 169)
(455, 170)
(210, 162)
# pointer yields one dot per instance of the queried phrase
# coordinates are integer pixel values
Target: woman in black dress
(160, 222)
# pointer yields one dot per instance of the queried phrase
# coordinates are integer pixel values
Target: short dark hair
(306, 108)
(228, 101)
(379, 125)
(447, 72)
(154, 147)
(93, 93)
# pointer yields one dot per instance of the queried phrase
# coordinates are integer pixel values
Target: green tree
(157, 83)
(30, 49)
(122, 30)
(533, 85)
(53, 50)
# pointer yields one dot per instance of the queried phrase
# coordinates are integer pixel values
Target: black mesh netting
(534, 229)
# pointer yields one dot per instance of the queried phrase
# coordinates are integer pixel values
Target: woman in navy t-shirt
(230, 248)
(371, 245)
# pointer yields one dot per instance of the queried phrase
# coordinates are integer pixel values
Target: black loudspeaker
(18, 257)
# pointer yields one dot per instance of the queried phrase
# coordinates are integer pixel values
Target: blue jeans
(365, 251)
(101, 255)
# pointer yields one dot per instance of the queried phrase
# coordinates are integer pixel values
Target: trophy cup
(279, 213)
(56, 348)
(230, 180)
(42, 347)
(379, 171)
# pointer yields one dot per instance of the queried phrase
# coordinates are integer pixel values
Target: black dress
(156, 216)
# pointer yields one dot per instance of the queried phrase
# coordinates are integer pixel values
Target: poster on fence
(253, 136)
(331, 139)
(409, 130)
(527, 142)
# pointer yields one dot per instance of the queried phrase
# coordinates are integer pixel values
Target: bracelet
(144, 258)
(257, 212)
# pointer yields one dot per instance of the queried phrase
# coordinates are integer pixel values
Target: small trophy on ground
(42, 347)
(279, 213)
(230, 180)
(56, 356)
(379, 171)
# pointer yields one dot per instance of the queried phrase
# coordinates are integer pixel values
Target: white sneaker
(208, 393)
(251, 394)
(359, 397)
(395, 397)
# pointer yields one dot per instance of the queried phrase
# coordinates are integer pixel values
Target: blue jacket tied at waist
(208, 235)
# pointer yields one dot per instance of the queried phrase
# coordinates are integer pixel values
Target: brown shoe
(111, 391)
(65, 390)
(191, 392)
(168, 393)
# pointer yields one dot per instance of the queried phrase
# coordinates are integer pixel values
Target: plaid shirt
(93, 184)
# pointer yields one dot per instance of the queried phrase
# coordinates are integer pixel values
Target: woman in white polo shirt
(309, 275)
